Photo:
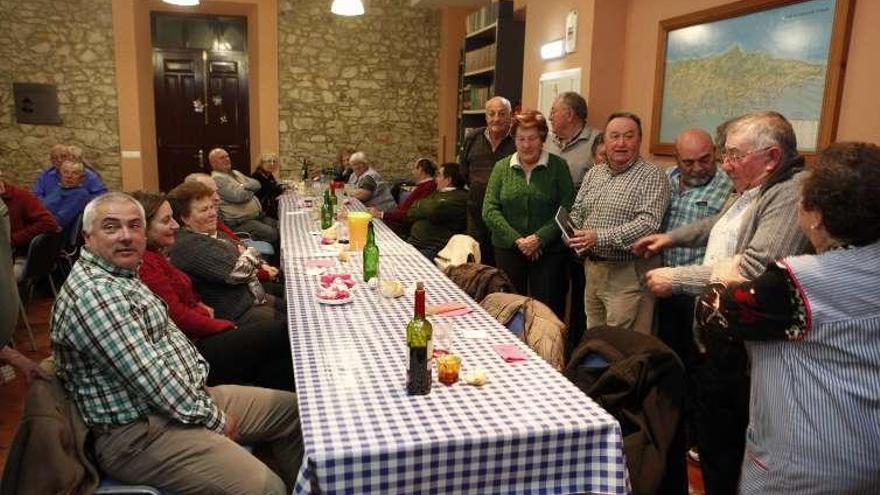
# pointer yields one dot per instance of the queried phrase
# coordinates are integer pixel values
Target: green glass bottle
(419, 334)
(371, 255)
(333, 199)
(326, 211)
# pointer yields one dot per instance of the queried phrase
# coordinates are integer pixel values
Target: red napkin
(511, 353)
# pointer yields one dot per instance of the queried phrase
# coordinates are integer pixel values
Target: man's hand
(650, 245)
(583, 240)
(659, 281)
(30, 369)
(376, 212)
(230, 430)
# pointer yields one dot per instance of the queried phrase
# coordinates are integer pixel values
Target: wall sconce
(553, 49)
(347, 8)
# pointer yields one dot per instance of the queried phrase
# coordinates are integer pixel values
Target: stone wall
(369, 82)
(70, 44)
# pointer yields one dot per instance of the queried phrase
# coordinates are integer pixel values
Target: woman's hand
(271, 270)
(650, 245)
(583, 240)
(529, 246)
(207, 308)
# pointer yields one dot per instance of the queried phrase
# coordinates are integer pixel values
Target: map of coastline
(775, 59)
(704, 92)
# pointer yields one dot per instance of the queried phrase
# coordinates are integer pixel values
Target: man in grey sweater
(239, 207)
(757, 227)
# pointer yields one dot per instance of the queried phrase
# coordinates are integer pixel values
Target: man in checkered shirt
(698, 191)
(140, 384)
(619, 202)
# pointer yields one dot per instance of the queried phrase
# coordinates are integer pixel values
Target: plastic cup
(448, 368)
(357, 229)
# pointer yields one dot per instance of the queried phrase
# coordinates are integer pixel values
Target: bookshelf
(490, 64)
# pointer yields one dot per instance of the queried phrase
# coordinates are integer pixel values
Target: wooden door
(201, 104)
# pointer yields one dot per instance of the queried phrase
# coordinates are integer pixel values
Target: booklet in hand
(563, 219)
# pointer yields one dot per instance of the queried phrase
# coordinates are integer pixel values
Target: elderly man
(370, 189)
(480, 151)
(618, 203)
(760, 226)
(423, 172)
(239, 207)
(140, 384)
(698, 191)
(572, 139)
(49, 181)
(68, 201)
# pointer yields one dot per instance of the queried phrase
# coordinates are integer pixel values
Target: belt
(593, 257)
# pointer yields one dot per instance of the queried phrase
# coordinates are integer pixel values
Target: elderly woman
(222, 273)
(245, 351)
(423, 171)
(524, 192)
(370, 189)
(266, 174)
(441, 215)
(811, 325)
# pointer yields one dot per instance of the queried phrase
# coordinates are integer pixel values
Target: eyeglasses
(734, 156)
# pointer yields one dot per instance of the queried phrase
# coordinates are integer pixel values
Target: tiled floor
(12, 393)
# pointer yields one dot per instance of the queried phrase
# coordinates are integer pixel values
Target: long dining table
(528, 430)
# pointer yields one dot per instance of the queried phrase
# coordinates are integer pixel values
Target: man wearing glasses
(760, 226)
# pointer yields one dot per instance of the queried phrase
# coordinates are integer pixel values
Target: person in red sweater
(28, 218)
(251, 351)
(424, 171)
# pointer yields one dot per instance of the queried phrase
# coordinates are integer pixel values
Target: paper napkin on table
(510, 352)
(448, 309)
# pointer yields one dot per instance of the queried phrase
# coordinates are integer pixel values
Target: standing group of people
(643, 235)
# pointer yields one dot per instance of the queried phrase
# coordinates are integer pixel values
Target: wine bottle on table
(326, 211)
(419, 333)
(371, 255)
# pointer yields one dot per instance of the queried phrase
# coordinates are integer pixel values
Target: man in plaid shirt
(140, 384)
(618, 203)
(698, 191)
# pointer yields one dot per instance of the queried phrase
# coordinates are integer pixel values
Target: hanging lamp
(347, 8)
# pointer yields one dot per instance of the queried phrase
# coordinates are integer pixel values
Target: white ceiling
(436, 4)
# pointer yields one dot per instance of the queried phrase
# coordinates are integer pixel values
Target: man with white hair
(239, 206)
(760, 157)
(68, 201)
(139, 382)
(49, 181)
(480, 151)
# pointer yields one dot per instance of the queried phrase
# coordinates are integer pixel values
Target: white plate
(334, 302)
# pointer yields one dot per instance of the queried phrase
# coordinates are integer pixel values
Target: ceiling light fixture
(182, 3)
(347, 8)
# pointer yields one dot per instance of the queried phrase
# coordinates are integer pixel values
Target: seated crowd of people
(170, 333)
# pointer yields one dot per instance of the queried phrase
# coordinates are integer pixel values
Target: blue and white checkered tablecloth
(527, 431)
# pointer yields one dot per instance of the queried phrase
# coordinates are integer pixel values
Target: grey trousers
(186, 459)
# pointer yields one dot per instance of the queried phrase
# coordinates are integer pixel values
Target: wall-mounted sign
(36, 103)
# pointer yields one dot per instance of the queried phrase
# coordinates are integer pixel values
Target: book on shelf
(479, 58)
(481, 18)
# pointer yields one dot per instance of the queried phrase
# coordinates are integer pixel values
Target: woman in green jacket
(524, 192)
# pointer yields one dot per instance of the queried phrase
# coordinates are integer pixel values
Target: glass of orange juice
(357, 229)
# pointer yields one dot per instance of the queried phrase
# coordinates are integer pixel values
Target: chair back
(479, 280)
(533, 322)
(42, 256)
(639, 381)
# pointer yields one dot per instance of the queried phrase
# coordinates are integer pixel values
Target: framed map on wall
(782, 55)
